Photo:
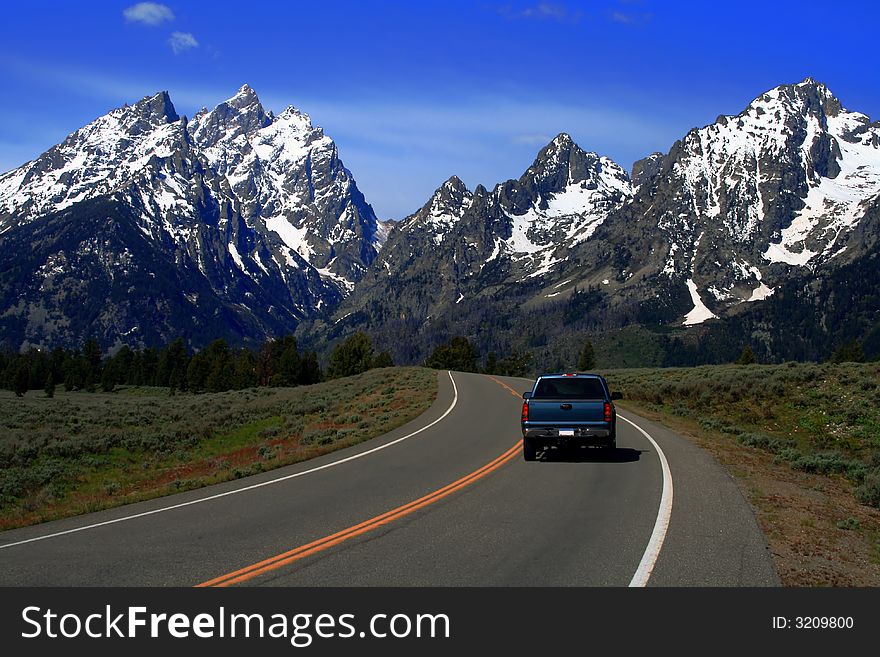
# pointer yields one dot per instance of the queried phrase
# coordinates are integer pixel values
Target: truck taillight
(608, 412)
(525, 412)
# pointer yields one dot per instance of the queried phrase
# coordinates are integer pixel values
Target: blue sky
(413, 92)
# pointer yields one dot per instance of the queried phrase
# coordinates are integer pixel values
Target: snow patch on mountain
(236, 258)
(380, 236)
(345, 284)
(294, 238)
(700, 313)
(761, 292)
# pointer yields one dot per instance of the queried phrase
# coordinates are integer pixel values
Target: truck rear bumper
(582, 436)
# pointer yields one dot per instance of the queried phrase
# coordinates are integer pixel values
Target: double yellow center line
(309, 549)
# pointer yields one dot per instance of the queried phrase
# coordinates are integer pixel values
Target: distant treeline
(278, 362)
(216, 368)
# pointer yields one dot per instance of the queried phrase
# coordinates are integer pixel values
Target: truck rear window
(573, 388)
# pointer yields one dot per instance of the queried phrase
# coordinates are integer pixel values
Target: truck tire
(529, 451)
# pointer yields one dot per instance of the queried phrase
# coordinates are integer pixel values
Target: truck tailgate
(565, 413)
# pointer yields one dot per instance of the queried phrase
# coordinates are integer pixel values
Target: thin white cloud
(543, 10)
(546, 10)
(83, 83)
(541, 139)
(182, 41)
(630, 18)
(525, 121)
(148, 13)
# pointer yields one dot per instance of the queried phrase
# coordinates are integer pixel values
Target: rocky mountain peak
(156, 109)
(742, 201)
(244, 96)
(447, 204)
(243, 114)
(454, 182)
(562, 163)
(291, 113)
(561, 141)
(790, 104)
(451, 196)
(107, 153)
(644, 170)
(145, 116)
(556, 155)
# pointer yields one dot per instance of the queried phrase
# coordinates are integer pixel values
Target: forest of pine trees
(278, 362)
(216, 368)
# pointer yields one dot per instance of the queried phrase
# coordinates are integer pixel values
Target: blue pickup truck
(568, 410)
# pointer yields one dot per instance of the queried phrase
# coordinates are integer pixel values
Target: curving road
(444, 501)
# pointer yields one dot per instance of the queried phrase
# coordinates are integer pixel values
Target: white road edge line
(661, 525)
(246, 488)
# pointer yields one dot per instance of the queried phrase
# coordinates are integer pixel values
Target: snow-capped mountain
(259, 207)
(528, 224)
(745, 203)
(734, 211)
(287, 176)
(95, 160)
(239, 223)
(463, 246)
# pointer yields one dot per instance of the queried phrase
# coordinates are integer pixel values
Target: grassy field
(80, 452)
(803, 441)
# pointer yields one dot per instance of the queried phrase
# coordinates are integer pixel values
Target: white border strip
(661, 526)
(247, 488)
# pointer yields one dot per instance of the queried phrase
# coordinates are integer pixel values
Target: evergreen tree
(108, 379)
(849, 352)
(197, 372)
(244, 374)
(92, 359)
(383, 360)
(49, 388)
(516, 364)
(136, 370)
(353, 356)
(267, 362)
(58, 360)
(747, 357)
(587, 360)
(77, 373)
(22, 378)
(289, 363)
(457, 354)
(177, 361)
(310, 372)
(491, 363)
(120, 364)
(149, 360)
(39, 366)
(219, 366)
(178, 381)
(171, 364)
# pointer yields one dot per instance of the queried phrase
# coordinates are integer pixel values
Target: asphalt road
(444, 501)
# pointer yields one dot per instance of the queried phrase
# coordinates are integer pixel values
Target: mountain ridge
(259, 206)
(261, 210)
(731, 212)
